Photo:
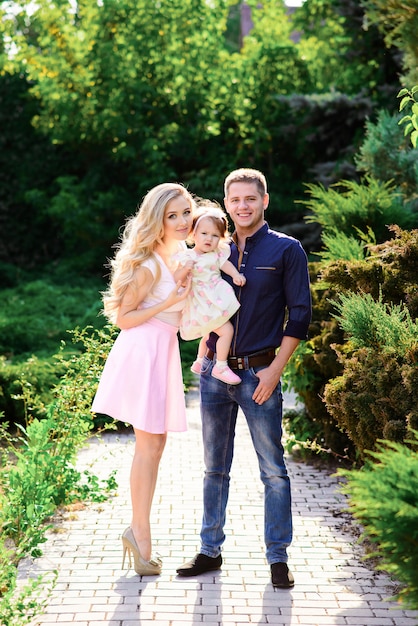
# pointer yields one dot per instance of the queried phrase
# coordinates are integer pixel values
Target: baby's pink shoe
(226, 375)
(196, 367)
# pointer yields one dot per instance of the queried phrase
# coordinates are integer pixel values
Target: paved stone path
(333, 585)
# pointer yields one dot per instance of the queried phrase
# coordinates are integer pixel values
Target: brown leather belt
(245, 362)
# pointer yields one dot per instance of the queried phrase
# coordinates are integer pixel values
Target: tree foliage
(345, 55)
(118, 95)
(398, 21)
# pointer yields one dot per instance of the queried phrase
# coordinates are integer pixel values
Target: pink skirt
(142, 382)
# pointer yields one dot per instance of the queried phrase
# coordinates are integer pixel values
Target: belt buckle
(242, 362)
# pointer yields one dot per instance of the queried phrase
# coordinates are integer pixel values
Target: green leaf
(402, 92)
(405, 118)
(404, 102)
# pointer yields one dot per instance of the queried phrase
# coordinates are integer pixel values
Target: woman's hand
(130, 312)
(180, 292)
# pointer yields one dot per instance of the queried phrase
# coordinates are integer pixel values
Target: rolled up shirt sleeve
(297, 291)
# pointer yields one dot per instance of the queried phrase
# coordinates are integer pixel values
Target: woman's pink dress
(141, 382)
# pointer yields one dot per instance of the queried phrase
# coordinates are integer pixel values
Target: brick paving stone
(333, 585)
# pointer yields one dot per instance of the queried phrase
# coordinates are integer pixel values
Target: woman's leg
(144, 472)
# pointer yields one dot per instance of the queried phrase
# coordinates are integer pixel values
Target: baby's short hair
(215, 213)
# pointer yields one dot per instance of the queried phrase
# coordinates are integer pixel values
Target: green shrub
(308, 436)
(350, 206)
(36, 315)
(385, 153)
(296, 372)
(341, 246)
(389, 272)
(38, 463)
(371, 399)
(311, 367)
(303, 436)
(375, 324)
(40, 374)
(375, 397)
(20, 605)
(383, 497)
(34, 320)
(338, 245)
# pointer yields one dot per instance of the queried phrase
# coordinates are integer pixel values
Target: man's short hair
(246, 175)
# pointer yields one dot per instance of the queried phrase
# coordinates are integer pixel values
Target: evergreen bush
(312, 366)
(383, 497)
(377, 325)
(376, 396)
(371, 399)
(385, 153)
(388, 272)
(339, 245)
(349, 206)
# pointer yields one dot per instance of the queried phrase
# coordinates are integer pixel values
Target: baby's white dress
(212, 300)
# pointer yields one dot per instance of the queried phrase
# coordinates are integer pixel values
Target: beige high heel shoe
(142, 567)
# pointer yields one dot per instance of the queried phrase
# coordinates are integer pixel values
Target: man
(275, 313)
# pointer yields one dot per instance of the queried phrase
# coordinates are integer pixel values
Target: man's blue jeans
(219, 408)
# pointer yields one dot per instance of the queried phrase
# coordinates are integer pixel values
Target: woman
(142, 383)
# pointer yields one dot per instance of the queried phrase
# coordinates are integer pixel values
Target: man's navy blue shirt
(276, 299)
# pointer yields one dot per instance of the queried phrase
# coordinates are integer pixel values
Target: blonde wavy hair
(142, 233)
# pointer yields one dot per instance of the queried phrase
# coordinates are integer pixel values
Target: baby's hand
(184, 272)
(239, 280)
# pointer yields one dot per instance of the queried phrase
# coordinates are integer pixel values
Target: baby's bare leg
(225, 333)
(202, 347)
